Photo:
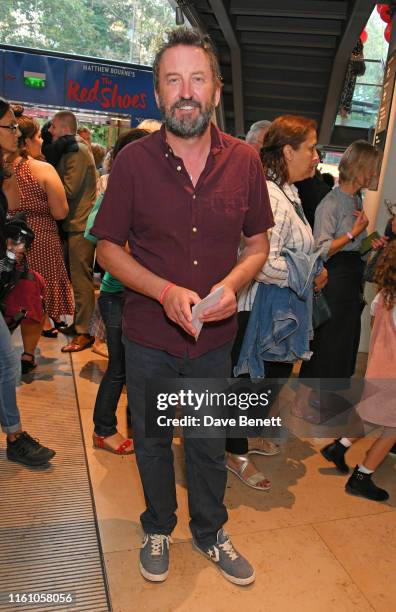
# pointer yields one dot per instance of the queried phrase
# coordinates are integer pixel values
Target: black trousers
(205, 463)
(273, 369)
(336, 342)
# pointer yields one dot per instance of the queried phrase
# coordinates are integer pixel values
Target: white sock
(345, 442)
(364, 470)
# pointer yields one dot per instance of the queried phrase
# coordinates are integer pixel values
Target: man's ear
(217, 94)
(156, 97)
(288, 152)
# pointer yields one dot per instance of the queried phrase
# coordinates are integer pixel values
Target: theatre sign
(63, 81)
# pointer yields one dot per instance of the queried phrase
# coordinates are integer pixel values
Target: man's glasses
(13, 128)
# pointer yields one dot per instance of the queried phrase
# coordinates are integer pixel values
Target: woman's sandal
(261, 446)
(251, 481)
(125, 448)
(27, 364)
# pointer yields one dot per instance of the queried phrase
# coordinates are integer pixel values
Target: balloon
(364, 37)
(388, 32)
(385, 13)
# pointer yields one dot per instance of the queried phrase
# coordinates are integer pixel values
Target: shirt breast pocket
(225, 213)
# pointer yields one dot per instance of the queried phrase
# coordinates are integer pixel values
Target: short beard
(187, 128)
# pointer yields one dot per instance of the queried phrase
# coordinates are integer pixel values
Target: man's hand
(177, 305)
(224, 309)
(320, 281)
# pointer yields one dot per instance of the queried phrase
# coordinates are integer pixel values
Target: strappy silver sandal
(251, 481)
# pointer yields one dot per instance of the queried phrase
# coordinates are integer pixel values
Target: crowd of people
(172, 213)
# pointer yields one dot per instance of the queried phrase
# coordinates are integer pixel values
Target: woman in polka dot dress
(42, 197)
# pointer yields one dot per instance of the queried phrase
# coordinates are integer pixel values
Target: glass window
(362, 95)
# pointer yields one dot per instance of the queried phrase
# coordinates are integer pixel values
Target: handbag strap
(296, 205)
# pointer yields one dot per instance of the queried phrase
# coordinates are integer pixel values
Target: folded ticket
(210, 300)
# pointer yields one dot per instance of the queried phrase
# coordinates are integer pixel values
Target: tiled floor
(313, 546)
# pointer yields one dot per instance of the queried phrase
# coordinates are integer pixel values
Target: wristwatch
(351, 236)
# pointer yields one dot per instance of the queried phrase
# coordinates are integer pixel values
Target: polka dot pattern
(45, 255)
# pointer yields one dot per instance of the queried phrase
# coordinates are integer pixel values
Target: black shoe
(361, 484)
(335, 452)
(28, 451)
(50, 333)
(70, 330)
(60, 324)
(27, 365)
(393, 450)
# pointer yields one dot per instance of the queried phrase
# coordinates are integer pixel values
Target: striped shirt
(289, 231)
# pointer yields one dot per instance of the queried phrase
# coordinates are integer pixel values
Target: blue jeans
(9, 368)
(205, 458)
(104, 417)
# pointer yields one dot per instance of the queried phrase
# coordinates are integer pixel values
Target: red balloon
(388, 32)
(385, 13)
(364, 37)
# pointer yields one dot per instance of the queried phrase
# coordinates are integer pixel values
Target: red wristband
(164, 292)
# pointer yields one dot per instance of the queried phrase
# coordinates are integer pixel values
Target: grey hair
(256, 127)
(151, 125)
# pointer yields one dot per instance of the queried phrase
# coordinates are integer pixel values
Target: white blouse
(289, 231)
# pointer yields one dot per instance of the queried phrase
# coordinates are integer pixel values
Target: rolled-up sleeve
(259, 216)
(115, 216)
(325, 226)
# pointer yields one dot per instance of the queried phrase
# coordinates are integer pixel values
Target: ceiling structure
(281, 56)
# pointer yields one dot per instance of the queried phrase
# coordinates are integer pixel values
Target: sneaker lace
(229, 550)
(157, 543)
(26, 438)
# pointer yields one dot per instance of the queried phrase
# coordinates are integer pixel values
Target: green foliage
(126, 30)
(100, 134)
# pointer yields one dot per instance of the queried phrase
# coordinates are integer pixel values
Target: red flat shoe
(125, 448)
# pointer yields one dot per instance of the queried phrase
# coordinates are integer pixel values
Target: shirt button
(178, 168)
(166, 155)
(195, 262)
(195, 229)
(194, 196)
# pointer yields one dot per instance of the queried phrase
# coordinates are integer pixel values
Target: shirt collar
(216, 145)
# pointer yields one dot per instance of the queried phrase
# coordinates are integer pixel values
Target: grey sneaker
(232, 565)
(154, 557)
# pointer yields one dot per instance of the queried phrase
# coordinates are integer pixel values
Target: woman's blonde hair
(359, 156)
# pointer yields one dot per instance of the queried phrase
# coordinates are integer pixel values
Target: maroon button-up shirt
(185, 234)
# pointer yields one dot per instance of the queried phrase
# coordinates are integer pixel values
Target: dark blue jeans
(104, 417)
(205, 461)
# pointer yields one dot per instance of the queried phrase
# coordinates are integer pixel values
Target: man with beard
(181, 197)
